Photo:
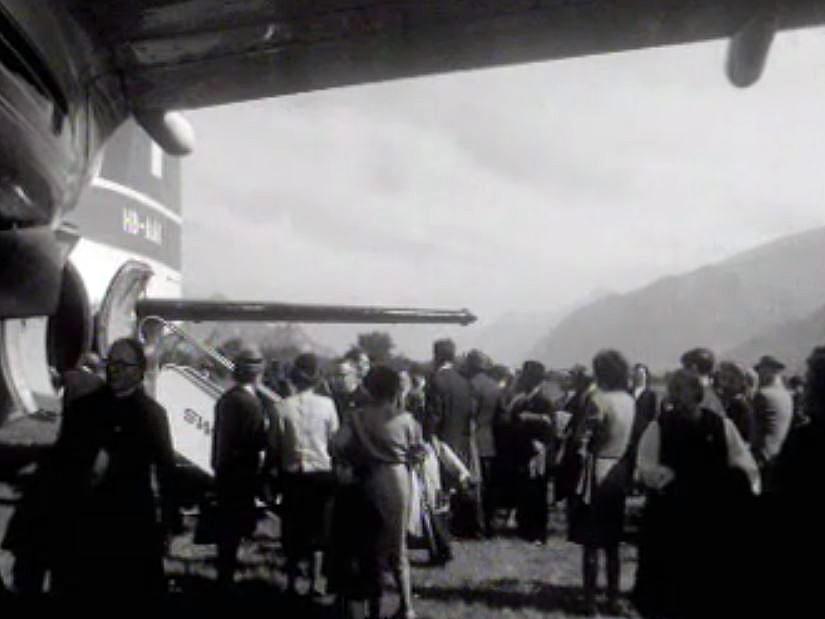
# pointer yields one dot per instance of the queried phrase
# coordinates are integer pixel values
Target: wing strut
(253, 311)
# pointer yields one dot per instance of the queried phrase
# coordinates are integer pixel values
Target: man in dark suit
(237, 443)
(111, 442)
(488, 395)
(452, 408)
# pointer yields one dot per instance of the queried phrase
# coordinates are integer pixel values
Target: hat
(248, 365)
(768, 362)
(444, 349)
(249, 358)
(701, 359)
(533, 369)
(305, 369)
(477, 360)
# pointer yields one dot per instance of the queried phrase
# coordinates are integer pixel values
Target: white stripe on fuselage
(105, 183)
(98, 262)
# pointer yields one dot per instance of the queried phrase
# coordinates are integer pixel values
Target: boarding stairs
(189, 397)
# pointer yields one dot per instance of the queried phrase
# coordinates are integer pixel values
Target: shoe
(619, 608)
(441, 560)
(589, 609)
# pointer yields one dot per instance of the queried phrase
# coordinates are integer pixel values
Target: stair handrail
(192, 375)
(207, 350)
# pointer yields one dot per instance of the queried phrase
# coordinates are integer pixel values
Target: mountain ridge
(720, 305)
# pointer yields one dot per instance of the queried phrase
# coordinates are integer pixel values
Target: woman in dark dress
(699, 474)
(532, 430)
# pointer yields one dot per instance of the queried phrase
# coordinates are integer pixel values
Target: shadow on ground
(505, 593)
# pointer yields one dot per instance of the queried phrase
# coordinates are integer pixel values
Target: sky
(511, 190)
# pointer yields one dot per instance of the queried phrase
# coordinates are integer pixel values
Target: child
(434, 500)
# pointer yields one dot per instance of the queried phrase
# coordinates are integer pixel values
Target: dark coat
(571, 462)
(239, 437)
(102, 469)
(647, 409)
(795, 512)
(488, 394)
(694, 538)
(528, 432)
(346, 403)
(78, 383)
(451, 404)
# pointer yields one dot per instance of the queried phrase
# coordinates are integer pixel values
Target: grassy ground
(498, 578)
(501, 577)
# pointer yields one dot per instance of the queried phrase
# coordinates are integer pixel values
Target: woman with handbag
(383, 444)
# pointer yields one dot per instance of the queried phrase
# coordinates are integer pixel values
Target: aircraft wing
(184, 54)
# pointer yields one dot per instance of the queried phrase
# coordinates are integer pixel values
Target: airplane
(122, 273)
(79, 76)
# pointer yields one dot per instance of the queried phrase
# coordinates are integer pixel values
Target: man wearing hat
(238, 440)
(303, 427)
(489, 398)
(773, 413)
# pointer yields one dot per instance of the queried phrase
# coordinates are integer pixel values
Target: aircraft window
(156, 161)
(17, 55)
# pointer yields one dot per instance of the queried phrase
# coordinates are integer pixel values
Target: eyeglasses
(120, 363)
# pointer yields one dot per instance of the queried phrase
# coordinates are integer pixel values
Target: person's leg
(227, 558)
(401, 573)
(613, 575)
(488, 494)
(349, 608)
(478, 523)
(533, 511)
(316, 569)
(590, 571)
(541, 510)
(28, 574)
(522, 507)
(291, 531)
(443, 539)
(374, 607)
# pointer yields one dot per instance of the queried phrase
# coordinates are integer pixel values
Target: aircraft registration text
(144, 226)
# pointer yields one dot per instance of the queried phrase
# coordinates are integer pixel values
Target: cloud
(520, 188)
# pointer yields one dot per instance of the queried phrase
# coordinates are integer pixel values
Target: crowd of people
(362, 460)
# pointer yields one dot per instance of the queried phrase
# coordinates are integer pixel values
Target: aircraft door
(116, 317)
